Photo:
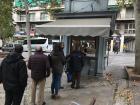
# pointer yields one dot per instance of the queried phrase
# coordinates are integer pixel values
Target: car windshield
(15, 44)
(36, 41)
(8, 45)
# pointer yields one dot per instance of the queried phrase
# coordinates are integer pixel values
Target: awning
(76, 27)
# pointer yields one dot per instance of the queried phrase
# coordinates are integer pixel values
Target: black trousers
(76, 79)
(13, 97)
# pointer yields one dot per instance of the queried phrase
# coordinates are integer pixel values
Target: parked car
(8, 47)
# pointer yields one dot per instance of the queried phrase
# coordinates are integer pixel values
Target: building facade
(124, 27)
(38, 15)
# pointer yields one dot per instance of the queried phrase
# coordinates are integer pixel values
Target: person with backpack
(40, 69)
(76, 65)
(13, 75)
(57, 62)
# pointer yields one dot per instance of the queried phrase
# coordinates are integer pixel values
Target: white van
(45, 43)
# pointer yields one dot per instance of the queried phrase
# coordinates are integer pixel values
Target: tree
(125, 3)
(137, 38)
(42, 3)
(6, 21)
(26, 4)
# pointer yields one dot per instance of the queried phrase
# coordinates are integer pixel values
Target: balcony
(128, 15)
(130, 32)
(125, 18)
(31, 20)
(20, 18)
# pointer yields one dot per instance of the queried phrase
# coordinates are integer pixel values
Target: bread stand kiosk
(89, 30)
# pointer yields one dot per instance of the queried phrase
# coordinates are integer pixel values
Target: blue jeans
(56, 79)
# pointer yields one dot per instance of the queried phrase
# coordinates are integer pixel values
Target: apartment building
(38, 15)
(125, 27)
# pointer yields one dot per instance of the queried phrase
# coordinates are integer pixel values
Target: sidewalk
(117, 63)
(116, 68)
(99, 88)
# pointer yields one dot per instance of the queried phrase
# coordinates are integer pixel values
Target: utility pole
(27, 26)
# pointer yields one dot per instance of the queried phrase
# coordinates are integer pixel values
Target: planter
(132, 74)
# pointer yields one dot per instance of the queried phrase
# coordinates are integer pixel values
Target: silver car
(8, 47)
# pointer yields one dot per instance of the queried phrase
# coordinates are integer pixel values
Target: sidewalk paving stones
(99, 87)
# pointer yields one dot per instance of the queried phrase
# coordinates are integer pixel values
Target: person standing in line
(76, 65)
(40, 69)
(13, 75)
(57, 63)
(68, 69)
(61, 50)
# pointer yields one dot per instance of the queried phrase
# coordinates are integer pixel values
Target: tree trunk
(28, 27)
(137, 38)
(3, 41)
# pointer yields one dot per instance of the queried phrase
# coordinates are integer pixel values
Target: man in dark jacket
(40, 69)
(13, 73)
(76, 65)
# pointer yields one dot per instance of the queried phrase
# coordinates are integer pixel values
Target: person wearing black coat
(76, 64)
(13, 75)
